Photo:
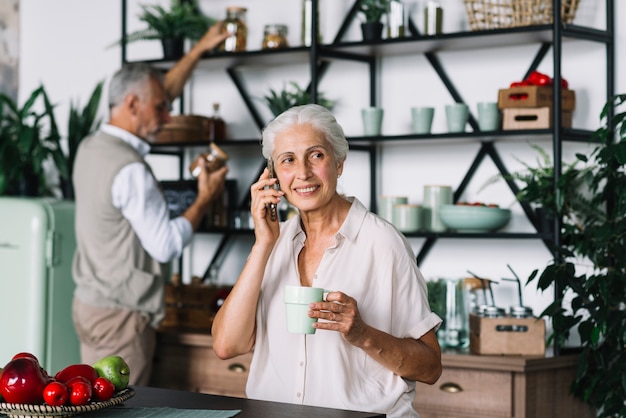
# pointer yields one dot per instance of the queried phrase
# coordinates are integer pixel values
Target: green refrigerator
(37, 245)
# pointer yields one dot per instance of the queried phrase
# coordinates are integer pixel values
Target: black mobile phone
(273, 210)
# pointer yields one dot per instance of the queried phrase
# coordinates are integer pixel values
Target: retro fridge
(37, 245)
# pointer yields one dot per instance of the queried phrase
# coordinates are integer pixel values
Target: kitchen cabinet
(502, 387)
(186, 361)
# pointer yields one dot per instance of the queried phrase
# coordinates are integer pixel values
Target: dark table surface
(155, 397)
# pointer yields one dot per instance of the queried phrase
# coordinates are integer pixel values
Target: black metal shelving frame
(320, 56)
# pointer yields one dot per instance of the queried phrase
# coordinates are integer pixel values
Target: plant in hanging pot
(373, 12)
(287, 98)
(588, 271)
(183, 20)
(29, 139)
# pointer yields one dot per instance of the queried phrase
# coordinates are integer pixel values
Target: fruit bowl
(19, 410)
(474, 218)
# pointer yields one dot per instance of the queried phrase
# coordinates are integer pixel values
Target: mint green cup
(297, 299)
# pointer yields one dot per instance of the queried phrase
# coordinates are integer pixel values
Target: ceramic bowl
(465, 218)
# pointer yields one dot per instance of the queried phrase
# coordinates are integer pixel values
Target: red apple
(25, 354)
(80, 390)
(84, 370)
(56, 394)
(23, 381)
(103, 389)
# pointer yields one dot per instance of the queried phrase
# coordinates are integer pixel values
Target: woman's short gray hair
(131, 78)
(320, 118)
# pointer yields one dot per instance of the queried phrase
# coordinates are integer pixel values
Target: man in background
(123, 231)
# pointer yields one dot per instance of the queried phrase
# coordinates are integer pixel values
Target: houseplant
(182, 21)
(29, 138)
(286, 98)
(588, 271)
(373, 12)
(81, 123)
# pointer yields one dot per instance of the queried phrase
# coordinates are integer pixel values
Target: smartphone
(272, 208)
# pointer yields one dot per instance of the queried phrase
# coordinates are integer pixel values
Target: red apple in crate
(23, 381)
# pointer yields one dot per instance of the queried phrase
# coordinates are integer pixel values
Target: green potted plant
(29, 138)
(373, 12)
(282, 100)
(81, 123)
(588, 271)
(182, 21)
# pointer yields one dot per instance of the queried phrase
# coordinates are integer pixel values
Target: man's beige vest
(111, 268)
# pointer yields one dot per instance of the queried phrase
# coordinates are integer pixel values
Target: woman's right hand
(264, 194)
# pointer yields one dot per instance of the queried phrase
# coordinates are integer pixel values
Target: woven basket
(499, 14)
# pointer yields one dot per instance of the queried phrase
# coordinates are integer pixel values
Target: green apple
(115, 369)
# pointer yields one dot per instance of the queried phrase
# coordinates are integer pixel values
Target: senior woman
(376, 334)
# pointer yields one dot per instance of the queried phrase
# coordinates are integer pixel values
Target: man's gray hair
(131, 79)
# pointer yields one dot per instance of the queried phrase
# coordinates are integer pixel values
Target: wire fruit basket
(501, 14)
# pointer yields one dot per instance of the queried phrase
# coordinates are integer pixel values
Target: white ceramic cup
(407, 217)
(434, 197)
(372, 120)
(386, 204)
(297, 299)
(456, 117)
(422, 118)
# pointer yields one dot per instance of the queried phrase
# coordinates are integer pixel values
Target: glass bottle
(236, 27)
(307, 22)
(275, 37)
(395, 19)
(216, 125)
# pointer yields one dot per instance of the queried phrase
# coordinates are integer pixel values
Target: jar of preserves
(236, 27)
(275, 37)
(214, 159)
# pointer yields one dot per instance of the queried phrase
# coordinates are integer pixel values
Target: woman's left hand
(340, 313)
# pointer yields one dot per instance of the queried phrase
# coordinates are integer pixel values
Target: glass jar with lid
(236, 27)
(275, 37)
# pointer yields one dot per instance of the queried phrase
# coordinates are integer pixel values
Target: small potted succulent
(183, 20)
(373, 12)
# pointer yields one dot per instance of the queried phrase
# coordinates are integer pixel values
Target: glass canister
(456, 321)
(236, 27)
(275, 37)
(214, 159)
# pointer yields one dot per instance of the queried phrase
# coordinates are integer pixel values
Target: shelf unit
(320, 56)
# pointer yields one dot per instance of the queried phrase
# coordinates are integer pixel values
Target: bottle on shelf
(395, 19)
(307, 22)
(216, 129)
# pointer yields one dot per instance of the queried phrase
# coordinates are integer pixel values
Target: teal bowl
(465, 218)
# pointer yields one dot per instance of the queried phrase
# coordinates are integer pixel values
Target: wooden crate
(192, 306)
(532, 118)
(513, 336)
(534, 96)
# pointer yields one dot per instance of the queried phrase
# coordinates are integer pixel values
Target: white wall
(64, 46)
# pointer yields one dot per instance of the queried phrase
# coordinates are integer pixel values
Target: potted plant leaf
(81, 123)
(588, 271)
(279, 101)
(373, 12)
(29, 138)
(183, 20)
